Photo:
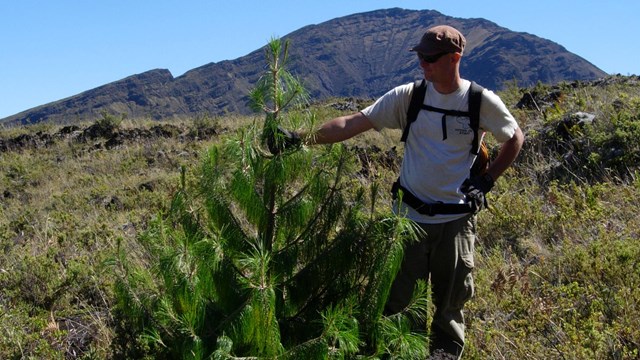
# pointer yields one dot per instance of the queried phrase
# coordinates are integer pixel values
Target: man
(436, 170)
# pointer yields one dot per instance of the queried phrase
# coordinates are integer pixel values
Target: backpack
(478, 147)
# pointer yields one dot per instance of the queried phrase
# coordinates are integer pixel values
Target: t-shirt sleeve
(496, 118)
(390, 110)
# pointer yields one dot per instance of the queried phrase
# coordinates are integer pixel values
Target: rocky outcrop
(102, 135)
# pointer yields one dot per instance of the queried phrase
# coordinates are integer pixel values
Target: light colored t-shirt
(437, 159)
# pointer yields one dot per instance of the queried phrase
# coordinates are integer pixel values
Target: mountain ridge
(359, 55)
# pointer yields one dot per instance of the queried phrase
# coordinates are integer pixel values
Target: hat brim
(426, 51)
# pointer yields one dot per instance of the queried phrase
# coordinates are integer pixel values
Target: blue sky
(51, 50)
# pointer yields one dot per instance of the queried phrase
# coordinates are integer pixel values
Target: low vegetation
(557, 265)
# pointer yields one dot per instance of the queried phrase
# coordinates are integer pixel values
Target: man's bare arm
(507, 154)
(340, 129)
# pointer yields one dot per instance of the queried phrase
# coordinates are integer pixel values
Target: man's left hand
(476, 189)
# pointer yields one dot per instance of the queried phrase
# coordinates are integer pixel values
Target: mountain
(361, 55)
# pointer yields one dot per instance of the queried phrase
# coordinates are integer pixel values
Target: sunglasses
(430, 59)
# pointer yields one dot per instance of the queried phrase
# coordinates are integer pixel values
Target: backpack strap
(417, 98)
(430, 209)
(444, 113)
(416, 104)
(475, 98)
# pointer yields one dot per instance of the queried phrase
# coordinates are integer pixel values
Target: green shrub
(270, 255)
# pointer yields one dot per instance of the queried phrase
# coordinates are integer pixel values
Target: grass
(64, 209)
(557, 269)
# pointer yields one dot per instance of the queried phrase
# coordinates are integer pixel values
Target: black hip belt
(427, 208)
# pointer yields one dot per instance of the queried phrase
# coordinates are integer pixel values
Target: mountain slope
(361, 55)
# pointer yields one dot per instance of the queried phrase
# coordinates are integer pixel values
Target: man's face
(435, 67)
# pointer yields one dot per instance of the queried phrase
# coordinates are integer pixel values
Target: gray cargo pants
(444, 256)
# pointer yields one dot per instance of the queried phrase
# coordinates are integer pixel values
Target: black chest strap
(444, 113)
(417, 103)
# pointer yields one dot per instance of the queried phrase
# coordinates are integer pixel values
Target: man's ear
(456, 57)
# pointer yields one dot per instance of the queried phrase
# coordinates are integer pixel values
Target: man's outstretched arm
(340, 129)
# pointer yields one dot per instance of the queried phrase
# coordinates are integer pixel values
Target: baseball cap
(440, 39)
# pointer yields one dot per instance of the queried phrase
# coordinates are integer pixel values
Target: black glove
(281, 140)
(475, 190)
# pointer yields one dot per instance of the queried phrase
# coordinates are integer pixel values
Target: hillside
(360, 55)
(557, 260)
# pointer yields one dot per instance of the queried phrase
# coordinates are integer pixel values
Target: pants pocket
(464, 288)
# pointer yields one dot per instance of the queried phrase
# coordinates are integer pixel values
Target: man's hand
(476, 188)
(281, 140)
